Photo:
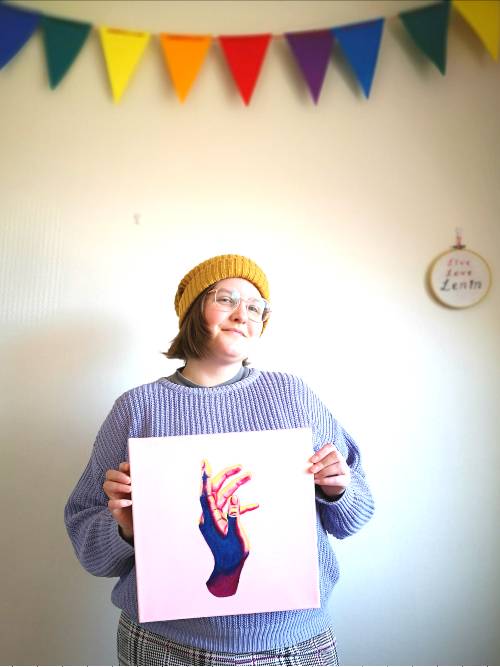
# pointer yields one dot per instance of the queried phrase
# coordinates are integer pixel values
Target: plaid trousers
(139, 646)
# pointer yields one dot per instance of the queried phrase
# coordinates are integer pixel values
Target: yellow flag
(484, 17)
(184, 56)
(122, 50)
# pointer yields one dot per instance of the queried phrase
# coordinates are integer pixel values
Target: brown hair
(191, 341)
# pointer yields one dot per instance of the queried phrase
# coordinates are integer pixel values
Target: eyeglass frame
(267, 306)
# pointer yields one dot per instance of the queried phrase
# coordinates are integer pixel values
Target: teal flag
(428, 27)
(63, 41)
(360, 44)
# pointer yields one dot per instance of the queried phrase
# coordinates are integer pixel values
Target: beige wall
(345, 205)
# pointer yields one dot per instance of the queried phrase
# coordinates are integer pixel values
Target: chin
(236, 357)
(226, 355)
(231, 353)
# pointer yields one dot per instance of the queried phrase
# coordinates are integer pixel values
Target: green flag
(428, 27)
(63, 40)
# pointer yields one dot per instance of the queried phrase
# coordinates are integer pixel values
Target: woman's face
(232, 333)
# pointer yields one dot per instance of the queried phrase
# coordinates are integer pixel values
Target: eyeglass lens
(229, 300)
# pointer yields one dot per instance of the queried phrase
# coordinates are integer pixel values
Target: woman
(223, 308)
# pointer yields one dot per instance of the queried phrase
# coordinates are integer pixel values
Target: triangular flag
(312, 51)
(63, 41)
(428, 27)
(123, 50)
(184, 56)
(16, 27)
(245, 55)
(484, 17)
(360, 44)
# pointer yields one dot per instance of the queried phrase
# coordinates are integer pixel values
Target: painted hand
(221, 527)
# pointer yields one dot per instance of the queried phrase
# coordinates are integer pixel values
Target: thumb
(233, 513)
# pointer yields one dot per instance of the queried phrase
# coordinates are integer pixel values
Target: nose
(240, 314)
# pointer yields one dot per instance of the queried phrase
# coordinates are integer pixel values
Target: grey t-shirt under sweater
(178, 378)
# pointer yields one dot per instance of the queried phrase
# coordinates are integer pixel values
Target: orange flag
(184, 56)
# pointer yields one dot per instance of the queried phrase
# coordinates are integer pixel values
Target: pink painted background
(173, 560)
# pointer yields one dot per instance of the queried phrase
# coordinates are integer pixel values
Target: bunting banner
(428, 27)
(312, 51)
(484, 18)
(16, 27)
(123, 50)
(184, 54)
(63, 41)
(360, 44)
(244, 55)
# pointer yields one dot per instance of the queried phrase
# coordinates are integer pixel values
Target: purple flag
(312, 51)
(16, 27)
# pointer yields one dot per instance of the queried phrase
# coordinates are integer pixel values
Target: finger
(234, 507)
(206, 478)
(342, 481)
(115, 490)
(334, 470)
(330, 459)
(117, 476)
(124, 467)
(330, 469)
(233, 515)
(224, 494)
(219, 479)
(119, 504)
(234, 526)
(322, 452)
(248, 508)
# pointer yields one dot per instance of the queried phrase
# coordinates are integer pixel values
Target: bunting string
(244, 55)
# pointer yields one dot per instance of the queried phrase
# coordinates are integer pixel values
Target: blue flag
(360, 44)
(16, 27)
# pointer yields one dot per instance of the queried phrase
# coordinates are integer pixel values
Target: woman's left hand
(330, 470)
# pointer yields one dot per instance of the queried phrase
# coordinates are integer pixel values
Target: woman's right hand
(118, 489)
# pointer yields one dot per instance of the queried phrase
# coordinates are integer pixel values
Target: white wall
(344, 205)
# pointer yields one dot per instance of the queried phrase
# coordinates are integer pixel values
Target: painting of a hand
(220, 525)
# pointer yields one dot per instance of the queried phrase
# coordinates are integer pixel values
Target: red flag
(245, 55)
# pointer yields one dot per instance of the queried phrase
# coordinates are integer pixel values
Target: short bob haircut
(191, 341)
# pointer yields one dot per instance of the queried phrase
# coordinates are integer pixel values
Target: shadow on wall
(56, 379)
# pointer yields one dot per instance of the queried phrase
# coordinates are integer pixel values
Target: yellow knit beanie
(211, 271)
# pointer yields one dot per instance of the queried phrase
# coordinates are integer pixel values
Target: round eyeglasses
(258, 309)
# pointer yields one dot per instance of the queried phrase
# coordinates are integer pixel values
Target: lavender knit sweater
(261, 401)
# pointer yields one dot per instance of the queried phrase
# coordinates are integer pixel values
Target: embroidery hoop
(459, 278)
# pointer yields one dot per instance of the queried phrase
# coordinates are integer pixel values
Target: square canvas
(265, 559)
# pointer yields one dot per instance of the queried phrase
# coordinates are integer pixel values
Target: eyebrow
(229, 291)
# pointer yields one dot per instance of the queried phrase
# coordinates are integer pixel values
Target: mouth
(235, 331)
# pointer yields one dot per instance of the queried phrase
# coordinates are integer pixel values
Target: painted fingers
(219, 496)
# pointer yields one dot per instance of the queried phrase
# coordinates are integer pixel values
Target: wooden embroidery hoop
(459, 278)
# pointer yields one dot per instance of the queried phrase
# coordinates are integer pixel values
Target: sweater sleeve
(93, 532)
(346, 515)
